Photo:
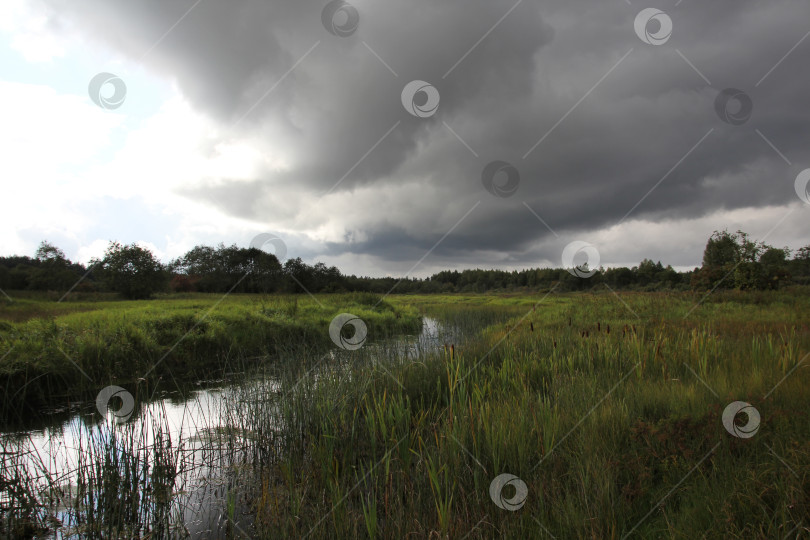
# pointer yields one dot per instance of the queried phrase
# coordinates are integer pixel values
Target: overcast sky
(362, 134)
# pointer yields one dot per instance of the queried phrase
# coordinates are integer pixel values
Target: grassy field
(57, 351)
(607, 409)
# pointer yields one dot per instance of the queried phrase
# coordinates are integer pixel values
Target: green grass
(611, 432)
(608, 408)
(83, 346)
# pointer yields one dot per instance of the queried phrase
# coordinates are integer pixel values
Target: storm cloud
(602, 127)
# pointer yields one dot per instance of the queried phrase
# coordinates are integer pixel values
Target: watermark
(571, 253)
(730, 415)
(336, 332)
(340, 18)
(516, 501)
(643, 22)
(431, 99)
(123, 413)
(803, 186)
(97, 86)
(500, 178)
(733, 106)
(260, 241)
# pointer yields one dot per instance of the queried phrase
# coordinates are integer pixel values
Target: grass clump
(77, 352)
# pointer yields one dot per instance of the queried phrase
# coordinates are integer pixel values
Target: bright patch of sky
(79, 175)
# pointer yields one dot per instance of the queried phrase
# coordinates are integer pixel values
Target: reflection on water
(190, 426)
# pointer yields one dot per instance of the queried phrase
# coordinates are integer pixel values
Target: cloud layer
(607, 132)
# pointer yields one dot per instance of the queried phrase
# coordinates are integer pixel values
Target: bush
(132, 271)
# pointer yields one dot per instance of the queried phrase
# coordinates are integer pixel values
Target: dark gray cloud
(640, 126)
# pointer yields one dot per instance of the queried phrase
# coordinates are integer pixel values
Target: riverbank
(55, 352)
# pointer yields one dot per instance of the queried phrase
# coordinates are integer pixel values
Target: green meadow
(55, 351)
(607, 409)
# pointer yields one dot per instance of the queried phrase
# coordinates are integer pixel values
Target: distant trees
(48, 270)
(654, 273)
(734, 260)
(54, 271)
(648, 275)
(224, 269)
(721, 250)
(251, 270)
(619, 278)
(730, 260)
(800, 266)
(776, 267)
(720, 256)
(132, 271)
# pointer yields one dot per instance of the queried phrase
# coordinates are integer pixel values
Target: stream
(190, 420)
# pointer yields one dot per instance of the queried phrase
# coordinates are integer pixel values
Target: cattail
(555, 343)
(452, 351)
(569, 321)
(531, 325)
(587, 333)
(608, 329)
(598, 327)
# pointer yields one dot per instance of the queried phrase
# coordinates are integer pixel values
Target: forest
(730, 261)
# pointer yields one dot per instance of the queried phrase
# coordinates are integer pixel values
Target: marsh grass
(124, 481)
(27, 491)
(72, 355)
(590, 399)
(607, 407)
(119, 482)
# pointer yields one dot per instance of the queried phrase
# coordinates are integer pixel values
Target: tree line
(730, 260)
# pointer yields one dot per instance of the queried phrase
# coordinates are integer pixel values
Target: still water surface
(190, 419)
